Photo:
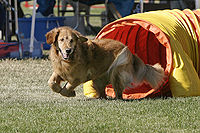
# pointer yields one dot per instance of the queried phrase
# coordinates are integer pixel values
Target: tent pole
(197, 4)
(32, 28)
(77, 15)
(17, 29)
(141, 6)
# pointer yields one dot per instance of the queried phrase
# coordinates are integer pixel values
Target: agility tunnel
(168, 37)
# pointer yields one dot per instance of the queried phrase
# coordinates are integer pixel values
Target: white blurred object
(197, 4)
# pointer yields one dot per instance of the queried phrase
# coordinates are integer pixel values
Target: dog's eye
(62, 39)
(71, 41)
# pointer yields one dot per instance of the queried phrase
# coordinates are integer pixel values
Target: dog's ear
(79, 37)
(83, 39)
(51, 36)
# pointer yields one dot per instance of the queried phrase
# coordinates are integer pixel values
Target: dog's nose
(68, 51)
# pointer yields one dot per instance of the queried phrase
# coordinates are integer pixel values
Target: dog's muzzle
(67, 53)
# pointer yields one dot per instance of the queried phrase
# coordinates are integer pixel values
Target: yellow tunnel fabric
(184, 80)
(184, 42)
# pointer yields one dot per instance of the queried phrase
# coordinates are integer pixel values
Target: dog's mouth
(66, 54)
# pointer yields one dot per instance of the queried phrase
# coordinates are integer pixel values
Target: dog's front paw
(67, 93)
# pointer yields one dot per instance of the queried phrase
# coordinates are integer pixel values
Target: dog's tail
(125, 72)
(151, 74)
(154, 75)
(122, 58)
(120, 71)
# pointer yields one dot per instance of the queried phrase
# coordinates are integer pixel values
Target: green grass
(28, 105)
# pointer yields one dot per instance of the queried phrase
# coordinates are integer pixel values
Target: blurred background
(26, 22)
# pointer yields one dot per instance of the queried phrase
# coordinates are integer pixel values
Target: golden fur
(77, 59)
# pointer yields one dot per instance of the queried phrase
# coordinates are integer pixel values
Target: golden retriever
(77, 59)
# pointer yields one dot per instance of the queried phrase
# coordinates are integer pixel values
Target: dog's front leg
(54, 82)
(68, 90)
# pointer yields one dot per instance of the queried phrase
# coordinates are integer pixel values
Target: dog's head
(65, 39)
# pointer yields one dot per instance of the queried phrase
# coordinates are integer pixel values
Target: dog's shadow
(126, 100)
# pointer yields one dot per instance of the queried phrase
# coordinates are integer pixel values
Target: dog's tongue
(65, 56)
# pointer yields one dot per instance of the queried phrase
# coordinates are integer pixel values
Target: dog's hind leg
(54, 82)
(120, 72)
(99, 85)
(117, 83)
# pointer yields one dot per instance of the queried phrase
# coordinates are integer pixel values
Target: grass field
(27, 105)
